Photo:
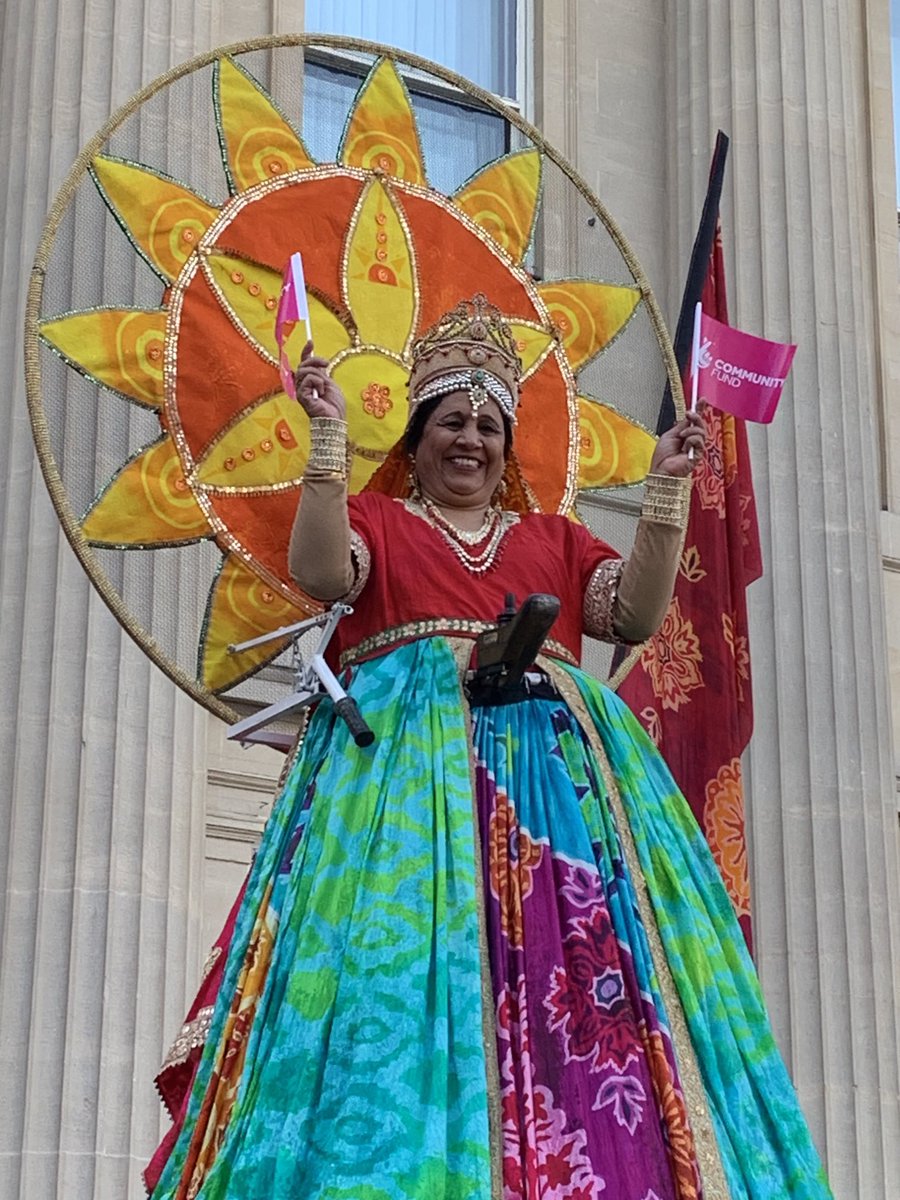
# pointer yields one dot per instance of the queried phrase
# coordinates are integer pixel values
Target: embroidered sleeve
(600, 600)
(192, 1037)
(362, 563)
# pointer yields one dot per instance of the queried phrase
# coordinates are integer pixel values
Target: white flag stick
(695, 365)
(695, 356)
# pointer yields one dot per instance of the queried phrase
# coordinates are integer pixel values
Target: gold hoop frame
(71, 524)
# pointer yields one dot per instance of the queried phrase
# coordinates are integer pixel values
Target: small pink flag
(740, 373)
(292, 308)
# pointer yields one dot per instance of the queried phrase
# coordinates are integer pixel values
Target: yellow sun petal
(376, 390)
(120, 348)
(379, 277)
(533, 345)
(165, 220)
(612, 449)
(267, 446)
(588, 315)
(249, 294)
(240, 607)
(503, 200)
(147, 504)
(381, 133)
(259, 143)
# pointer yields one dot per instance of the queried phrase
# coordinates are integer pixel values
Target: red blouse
(417, 586)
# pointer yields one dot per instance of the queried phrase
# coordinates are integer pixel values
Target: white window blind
(474, 38)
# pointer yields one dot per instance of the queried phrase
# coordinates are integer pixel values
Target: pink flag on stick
(292, 308)
(737, 372)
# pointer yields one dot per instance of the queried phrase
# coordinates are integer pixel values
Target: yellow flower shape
(385, 255)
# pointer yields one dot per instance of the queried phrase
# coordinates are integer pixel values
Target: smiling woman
(490, 955)
(459, 458)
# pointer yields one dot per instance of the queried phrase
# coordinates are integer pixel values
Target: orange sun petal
(503, 200)
(165, 219)
(147, 503)
(588, 315)
(241, 606)
(259, 142)
(381, 133)
(120, 348)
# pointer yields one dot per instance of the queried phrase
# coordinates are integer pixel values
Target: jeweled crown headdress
(471, 349)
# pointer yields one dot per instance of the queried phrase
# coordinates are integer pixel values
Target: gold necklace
(469, 537)
(494, 528)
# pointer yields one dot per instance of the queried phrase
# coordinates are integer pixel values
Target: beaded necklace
(468, 537)
(493, 528)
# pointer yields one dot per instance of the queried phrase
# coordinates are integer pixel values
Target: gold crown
(473, 337)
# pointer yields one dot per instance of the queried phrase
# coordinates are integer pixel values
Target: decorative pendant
(491, 532)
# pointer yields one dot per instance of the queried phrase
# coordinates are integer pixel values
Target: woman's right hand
(317, 392)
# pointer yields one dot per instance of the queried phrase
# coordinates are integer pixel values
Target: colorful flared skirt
(487, 957)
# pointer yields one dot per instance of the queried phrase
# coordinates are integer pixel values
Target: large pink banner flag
(740, 373)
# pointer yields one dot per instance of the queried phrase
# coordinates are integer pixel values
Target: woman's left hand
(681, 448)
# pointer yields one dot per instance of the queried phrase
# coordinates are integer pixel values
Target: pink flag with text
(740, 373)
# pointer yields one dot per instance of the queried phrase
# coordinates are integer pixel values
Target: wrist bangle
(666, 499)
(328, 445)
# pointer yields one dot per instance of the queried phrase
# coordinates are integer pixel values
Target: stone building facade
(125, 819)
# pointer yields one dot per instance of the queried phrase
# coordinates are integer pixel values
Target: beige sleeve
(626, 601)
(648, 578)
(647, 581)
(319, 558)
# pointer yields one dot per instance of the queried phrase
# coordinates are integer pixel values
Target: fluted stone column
(807, 232)
(635, 98)
(102, 761)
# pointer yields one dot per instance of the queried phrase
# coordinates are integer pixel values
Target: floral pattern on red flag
(691, 686)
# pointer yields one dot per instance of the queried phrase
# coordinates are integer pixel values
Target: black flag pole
(693, 290)
(696, 276)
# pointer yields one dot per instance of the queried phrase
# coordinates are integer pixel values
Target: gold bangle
(328, 445)
(666, 499)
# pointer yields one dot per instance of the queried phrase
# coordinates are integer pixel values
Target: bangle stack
(666, 499)
(328, 445)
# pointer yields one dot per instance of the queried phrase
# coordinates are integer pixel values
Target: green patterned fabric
(375, 984)
(366, 1074)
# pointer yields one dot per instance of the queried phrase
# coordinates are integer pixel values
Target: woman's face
(460, 458)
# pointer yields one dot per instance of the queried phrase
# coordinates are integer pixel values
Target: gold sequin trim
(363, 560)
(291, 757)
(192, 1037)
(666, 499)
(461, 649)
(600, 599)
(709, 1160)
(436, 627)
(211, 959)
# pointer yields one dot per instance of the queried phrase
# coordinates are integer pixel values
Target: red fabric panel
(453, 264)
(691, 688)
(220, 374)
(311, 216)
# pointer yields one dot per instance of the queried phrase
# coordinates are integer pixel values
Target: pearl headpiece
(470, 349)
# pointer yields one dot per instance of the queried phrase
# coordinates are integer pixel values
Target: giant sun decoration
(228, 461)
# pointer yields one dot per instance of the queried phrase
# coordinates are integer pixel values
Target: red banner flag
(691, 686)
(739, 373)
